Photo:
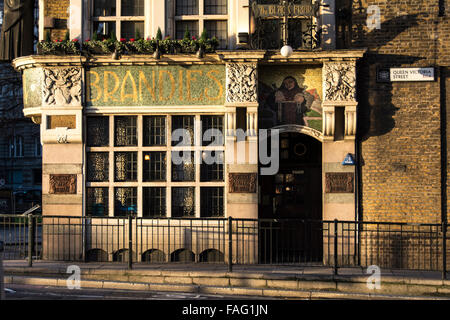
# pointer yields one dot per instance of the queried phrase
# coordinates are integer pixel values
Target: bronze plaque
(243, 182)
(339, 182)
(63, 184)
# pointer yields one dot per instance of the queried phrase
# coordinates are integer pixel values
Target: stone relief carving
(63, 184)
(243, 182)
(339, 182)
(241, 82)
(62, 86)
(339, 81)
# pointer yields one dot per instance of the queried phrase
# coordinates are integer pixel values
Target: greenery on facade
(136, 45)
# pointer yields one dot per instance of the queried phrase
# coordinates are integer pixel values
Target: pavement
(265, 281)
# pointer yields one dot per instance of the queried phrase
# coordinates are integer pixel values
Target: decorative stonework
(243, 182)
(339, 182)
(252, 123)
(241, 82)
(328, 122)
(230, 124)
(300, 129)
(62, 135)
(63, 184)
(62, 86)
(339, 81)
(350, 123)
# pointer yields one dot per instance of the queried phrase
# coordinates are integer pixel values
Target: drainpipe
(443, 111)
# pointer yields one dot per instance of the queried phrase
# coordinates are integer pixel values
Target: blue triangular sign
(349, 161)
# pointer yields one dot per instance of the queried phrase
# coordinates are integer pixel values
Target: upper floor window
(123, 18)
(16, 146)
(37, 147)
(198, 15)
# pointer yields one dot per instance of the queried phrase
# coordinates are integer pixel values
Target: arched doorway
(293, 197)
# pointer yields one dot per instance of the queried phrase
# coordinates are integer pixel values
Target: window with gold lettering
(197, 16)
(153, 166)
(120, 18)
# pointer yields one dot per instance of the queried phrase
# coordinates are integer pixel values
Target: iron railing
(226, 241)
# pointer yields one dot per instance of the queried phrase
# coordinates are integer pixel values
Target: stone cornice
(260, 56)
(54, 61)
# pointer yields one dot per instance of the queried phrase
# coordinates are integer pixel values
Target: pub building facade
(109, 124)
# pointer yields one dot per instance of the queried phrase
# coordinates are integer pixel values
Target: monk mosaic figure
(17, 38)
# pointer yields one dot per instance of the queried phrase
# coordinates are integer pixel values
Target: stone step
(211, 289)
(254, 281)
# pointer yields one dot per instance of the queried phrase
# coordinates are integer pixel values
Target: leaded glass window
(123, 18)
(215, 6)
(200, 15)
(154, 131)
(125, 201)
(97, 166)
(211, 168)
(104, 29)
(211, 199)
(154, 166)
(183, 202)
(144, 168)
(154, 202)
(125, 166)
(185, 171)
(97, 202)
(130, 29)
(132, 7)
(104, 8)
(97, 131)
(187, 124)
(215, 123)
(125, 131)
(187, 7)
(190, 25)
(218, 29)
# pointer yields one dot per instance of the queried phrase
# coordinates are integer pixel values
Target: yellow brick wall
(58, 9)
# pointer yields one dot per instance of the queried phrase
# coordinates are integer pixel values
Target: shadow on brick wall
(376, 110)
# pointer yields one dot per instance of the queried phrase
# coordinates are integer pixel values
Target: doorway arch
(291, 199)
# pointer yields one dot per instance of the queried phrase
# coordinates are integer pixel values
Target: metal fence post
(335, 271)
(30, 240)
(230, 244)
(130, 242)
(444, 250)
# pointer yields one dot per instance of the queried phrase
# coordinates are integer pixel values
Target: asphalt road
(29, 292)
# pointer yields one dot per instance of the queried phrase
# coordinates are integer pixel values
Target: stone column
(339, 140)
(241, 155)
(62, 159)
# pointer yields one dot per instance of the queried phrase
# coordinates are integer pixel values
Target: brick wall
(59, 10)
(399, 123)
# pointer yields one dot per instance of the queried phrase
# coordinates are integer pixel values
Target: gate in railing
(227, 241)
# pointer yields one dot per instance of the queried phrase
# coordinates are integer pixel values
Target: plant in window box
(169, 46)
(141, 46)
(59, 47)
(211, 45)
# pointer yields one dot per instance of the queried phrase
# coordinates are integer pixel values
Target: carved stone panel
(241, 82)
(62, 86)
(243, 182)
(63, 184)
(339, 182)
(339, 81)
